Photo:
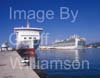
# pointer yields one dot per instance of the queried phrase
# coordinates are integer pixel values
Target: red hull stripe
(28, 51)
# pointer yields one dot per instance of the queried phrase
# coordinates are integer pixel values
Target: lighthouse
(27, 39)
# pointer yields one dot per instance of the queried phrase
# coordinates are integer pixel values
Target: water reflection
(91, 55)
(76, 54)
(58, 54)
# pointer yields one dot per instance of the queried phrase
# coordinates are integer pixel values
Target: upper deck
(27, 28)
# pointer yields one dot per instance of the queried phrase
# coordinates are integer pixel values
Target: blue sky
(86, 25)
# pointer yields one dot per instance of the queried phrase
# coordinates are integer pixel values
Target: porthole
(24, 37)
(30, 37)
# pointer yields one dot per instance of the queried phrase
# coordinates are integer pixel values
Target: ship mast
(28, 24)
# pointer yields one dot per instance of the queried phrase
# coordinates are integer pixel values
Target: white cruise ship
(73, 42)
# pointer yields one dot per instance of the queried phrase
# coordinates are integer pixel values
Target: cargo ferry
(27, 39)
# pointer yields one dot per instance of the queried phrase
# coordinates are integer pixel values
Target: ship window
(30, 37)
(24, 37)
(34, 38)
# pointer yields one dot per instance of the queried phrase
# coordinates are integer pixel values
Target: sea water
(69, 63)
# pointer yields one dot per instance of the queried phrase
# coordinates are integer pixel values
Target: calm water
(88, 65)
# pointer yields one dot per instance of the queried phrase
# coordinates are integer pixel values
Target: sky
(87, 23)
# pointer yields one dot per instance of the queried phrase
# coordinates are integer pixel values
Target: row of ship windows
(73, 44)
(29, 38)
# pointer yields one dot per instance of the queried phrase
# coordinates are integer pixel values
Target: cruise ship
(73, 42)
(27, 39)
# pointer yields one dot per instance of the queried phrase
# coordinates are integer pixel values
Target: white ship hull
(70, 47)
(61, 48)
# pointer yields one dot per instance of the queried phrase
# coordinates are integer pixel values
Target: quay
(7, 63)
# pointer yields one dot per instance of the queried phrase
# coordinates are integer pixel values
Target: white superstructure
(73, 42)
(27, 37)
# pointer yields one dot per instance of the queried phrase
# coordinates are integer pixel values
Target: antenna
(28, 25)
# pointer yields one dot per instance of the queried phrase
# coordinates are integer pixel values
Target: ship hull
(70, 47)
(66, 47)
(26, 52)
(23, 50)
